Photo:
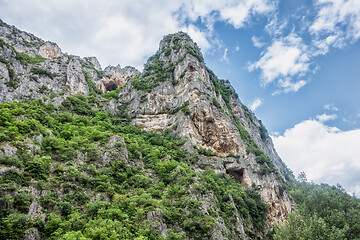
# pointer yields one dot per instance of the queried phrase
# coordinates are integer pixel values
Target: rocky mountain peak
(176, 93)
(176, 45)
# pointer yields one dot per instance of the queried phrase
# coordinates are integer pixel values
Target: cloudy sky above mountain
(295, 63)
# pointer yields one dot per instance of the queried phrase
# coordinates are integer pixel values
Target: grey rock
(94, 62)
(115, 150)
(32, 234)
(6, 149)
(157, 222)
(115, 77)
(35, 211)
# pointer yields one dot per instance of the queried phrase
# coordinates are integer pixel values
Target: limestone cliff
(175, 93)
(214, 119)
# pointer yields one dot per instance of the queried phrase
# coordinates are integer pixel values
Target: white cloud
(224, 57)
(336, 23)
(257, 42)
(286, 58)
(324, 153)
(200, 37)
(237, 15)
(126, 32)
(331, 107)
(325, 117)
(255, 104)
(289, 86)
(275, 27)
(237, 48)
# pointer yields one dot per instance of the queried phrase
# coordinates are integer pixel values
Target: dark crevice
(237, 173)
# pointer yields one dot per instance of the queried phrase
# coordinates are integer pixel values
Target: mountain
(167, 153)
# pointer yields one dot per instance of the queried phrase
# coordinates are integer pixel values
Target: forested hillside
(81, 173)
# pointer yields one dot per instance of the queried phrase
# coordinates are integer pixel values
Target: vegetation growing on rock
(83, 194)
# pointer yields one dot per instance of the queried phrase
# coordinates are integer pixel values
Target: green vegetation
(26, 59)
(324, 212)
(100, 178)
(182, 75)
(206, 152)
(112, 199)
(266, 165)
(43, 72)
(114, 94)
(194, 51)
(88, 65)
(157, 71)
(216, 103)
(22, 57)
(184, 108)
(92, 87)
(263, 131)
(224, 89)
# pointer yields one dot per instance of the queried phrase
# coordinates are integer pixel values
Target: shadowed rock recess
(169, 153)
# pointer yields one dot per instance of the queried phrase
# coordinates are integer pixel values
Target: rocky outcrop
(115, 77)
(193, 103)
(32, 234)
(92, 61)
(32, 68)
(49, 50)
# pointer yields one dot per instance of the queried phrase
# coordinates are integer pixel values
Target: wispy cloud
(255, 104)
(331, 107)
(276, 27)
(289, 86)
(257, 42)
(325, 154)
(224, 57)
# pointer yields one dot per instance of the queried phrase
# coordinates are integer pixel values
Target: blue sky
(295, 63)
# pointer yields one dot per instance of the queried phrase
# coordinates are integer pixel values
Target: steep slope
(83, 158)
(176, 91)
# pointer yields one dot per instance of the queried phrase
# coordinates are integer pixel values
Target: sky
(296, 64)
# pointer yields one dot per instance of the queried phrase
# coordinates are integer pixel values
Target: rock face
(115, 77)
(175, 92)
(49, 50)
(32, 68)
(214, 119)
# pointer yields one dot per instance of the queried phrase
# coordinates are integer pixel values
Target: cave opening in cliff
(111, 87)
(191, 68)
(237, 173)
